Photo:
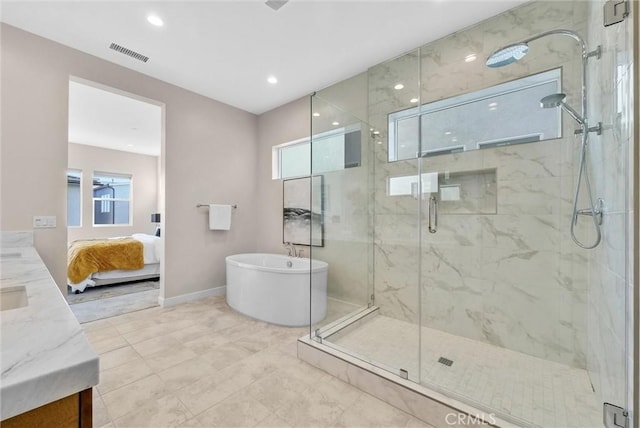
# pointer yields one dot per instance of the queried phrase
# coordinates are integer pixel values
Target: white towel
(219, 217)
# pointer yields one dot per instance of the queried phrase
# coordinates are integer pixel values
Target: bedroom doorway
(115, 198)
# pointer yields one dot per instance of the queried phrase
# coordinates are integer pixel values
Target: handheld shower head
(507, 55)
(557, 100)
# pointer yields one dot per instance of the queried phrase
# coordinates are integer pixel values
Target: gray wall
(143, 170)
(286, 123)
(208, 156)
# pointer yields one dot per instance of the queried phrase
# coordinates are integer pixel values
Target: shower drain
(447, 362)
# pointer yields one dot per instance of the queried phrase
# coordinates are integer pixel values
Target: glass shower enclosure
(450, 215)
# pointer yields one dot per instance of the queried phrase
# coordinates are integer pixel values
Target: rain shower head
(514, 52)
(553, 100)
(557, 100)
(507, 55)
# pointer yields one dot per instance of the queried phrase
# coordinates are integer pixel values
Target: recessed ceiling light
(155, 20)
(470, 57)
(316, 114)
(272, 79)
(447, 133)
(493, 104)
(376, 132)
(454, 139)
(398, 86)
(275, 4)
(413, 100)
(335, 123)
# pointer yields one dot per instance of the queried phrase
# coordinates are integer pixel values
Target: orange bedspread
(89, 256)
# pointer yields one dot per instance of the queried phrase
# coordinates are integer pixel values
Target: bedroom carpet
(108, 291)
(105, 308)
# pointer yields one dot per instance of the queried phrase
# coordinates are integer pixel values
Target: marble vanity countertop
(44, 353)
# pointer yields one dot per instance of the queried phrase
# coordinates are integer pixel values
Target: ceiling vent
(116, 47)
(275, 4)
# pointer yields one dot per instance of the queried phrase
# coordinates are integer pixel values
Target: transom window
(332, 151)
(504, 114)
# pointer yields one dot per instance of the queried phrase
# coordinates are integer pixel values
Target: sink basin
(13, 298)
(10, 255)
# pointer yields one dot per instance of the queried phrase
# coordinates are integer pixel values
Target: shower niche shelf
(467, 192)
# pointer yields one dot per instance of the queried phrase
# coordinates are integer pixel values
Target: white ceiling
(104, 119)
(225, 50)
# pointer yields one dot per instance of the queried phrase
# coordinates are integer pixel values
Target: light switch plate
(44, 221)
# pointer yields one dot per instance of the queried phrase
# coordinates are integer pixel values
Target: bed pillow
(151, 247)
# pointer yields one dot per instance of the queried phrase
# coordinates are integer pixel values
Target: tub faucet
(291, 249)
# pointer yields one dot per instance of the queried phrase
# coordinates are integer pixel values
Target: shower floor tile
(528, 390)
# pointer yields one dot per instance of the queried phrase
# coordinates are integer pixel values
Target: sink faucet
(291, 249)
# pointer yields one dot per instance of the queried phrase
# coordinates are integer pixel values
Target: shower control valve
(596, 212)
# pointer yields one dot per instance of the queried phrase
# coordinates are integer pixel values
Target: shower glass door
(447, 204)
(517, 320)
(398, 192)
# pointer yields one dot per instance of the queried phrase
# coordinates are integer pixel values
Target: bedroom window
(74, 198)
(111, 199)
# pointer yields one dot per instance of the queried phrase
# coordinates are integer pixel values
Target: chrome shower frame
(596, 209)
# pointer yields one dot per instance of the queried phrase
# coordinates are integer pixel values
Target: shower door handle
(433, 214)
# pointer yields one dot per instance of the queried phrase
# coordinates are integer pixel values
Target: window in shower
(504, 114)
(335, 150)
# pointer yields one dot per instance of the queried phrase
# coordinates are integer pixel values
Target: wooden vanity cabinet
(74, 411)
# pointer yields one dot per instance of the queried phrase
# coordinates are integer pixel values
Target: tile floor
(203, 365)
(528, 390)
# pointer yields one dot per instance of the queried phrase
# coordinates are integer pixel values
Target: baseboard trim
(184, 298)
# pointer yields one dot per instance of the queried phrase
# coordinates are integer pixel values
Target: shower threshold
(427, 405)
(484, 382)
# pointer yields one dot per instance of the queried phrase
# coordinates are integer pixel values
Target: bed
(112, 261)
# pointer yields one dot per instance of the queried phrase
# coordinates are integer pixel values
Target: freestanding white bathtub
(275, 288)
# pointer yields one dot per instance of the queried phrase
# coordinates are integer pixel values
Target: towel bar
(206, 205)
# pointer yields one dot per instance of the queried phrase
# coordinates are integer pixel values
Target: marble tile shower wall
(347, 236)
(610, 102)
(512, 278)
